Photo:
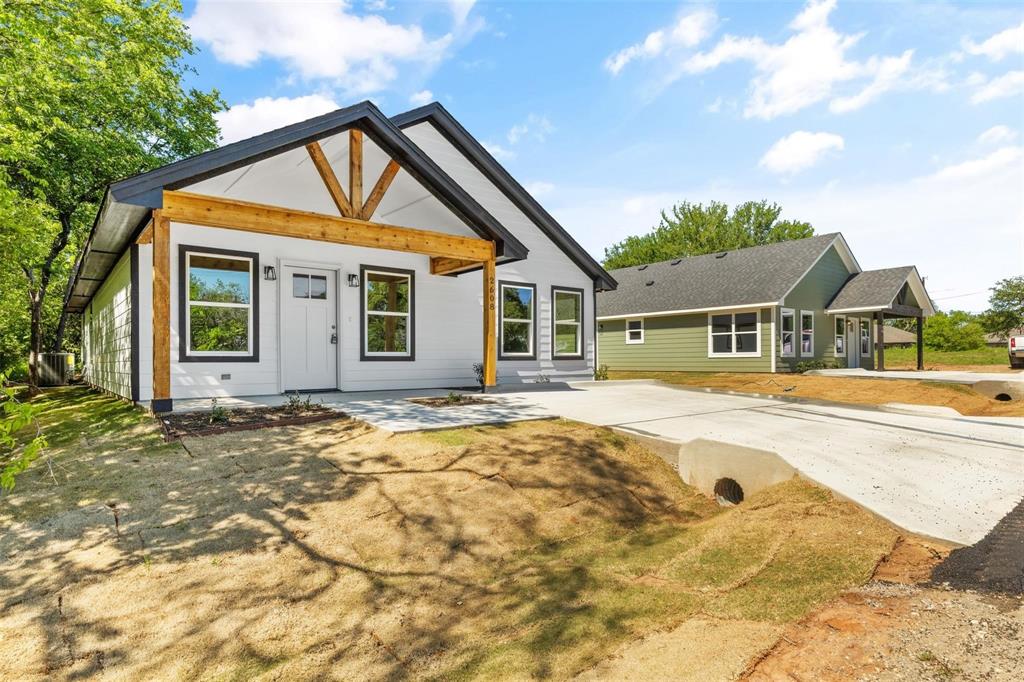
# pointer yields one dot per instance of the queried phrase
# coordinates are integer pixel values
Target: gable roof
(878, 289)
(127, 204)
(754, 276)
(459, 137)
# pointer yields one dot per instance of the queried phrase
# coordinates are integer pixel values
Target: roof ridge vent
(722, 255)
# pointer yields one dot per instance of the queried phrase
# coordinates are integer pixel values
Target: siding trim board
(134, 255)
(672, 313)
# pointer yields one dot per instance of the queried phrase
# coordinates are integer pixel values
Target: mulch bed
(180, 424)
(993, 564)
(445, 402)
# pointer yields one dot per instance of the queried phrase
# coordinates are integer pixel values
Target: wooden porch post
(490, 318)
(880, 365)
(920, 342)
(161, 313)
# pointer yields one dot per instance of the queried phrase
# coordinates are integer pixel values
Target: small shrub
(601, 373)
(808, 365)
(218, 414)
(454, 398)
(296, 403)
(541, 378)
(478, 370)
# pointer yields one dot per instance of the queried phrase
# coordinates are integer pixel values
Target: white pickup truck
(1015, 345)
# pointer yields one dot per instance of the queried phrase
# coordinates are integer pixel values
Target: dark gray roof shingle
(758, 274)
(871, 289)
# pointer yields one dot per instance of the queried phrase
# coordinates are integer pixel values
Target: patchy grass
(858, 391)
(987, 359)
(336, 550)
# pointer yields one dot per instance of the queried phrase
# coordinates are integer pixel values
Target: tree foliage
(94, 91)
(21, 440)
(1006, 307)
(696, 229)
(953, 331)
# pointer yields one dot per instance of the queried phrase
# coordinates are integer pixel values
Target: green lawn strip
(989, 355)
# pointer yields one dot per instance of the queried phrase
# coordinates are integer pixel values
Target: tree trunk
(37, 295)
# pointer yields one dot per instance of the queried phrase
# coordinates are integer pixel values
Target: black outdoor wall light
(269, 273)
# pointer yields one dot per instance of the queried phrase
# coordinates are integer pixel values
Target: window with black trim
(518, 308)
(788, 332)
(567, 323)
(387, 302)
(840, 340)
(219, 306)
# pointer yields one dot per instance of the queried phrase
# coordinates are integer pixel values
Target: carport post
(880, 342)
(920, 343)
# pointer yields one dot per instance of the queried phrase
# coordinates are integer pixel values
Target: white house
(347, 252)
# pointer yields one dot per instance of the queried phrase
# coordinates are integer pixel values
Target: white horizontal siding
(107, 353)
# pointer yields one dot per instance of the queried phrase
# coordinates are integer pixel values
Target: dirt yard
(963, 399)
(333, 550)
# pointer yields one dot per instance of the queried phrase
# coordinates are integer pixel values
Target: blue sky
(898, 123)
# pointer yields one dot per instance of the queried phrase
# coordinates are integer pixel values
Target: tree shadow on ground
(331, 548)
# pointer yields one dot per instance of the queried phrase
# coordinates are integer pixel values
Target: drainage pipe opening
(728, 491)
(1004, 397)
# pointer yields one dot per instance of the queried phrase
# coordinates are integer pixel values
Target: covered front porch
(892, 293)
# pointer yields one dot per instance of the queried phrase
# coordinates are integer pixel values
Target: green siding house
(762, 309)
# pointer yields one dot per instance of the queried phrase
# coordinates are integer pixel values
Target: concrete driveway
(949, 478)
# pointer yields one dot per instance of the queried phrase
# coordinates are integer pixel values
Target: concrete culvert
(728, 491)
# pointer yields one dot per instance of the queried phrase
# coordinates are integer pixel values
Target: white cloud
(535, 126)
(420, 98)
(460, 10)
(539, 188)
(999, 46)
(998, 135)
(687, 32)
(268, 113)
(322, 40)
(499, 152)
(1010, 83)
(1000, 159)
(715, 106)
(376, 5)
(799, 151)
(810, 67)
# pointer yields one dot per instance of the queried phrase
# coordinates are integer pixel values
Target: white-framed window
(567, 323)
(218, 304)
(840, 334)
(865, 337)
(806, 333)
(635, 331)
(388, 312)
(734, 334)
(787, 334)
(518, 313)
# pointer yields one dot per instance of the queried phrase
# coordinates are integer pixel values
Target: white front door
(852, 342)
(309, 333)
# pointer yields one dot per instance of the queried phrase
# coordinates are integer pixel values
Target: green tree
(956, 330)
(696, 229)
(97, 92)
(1006, 307)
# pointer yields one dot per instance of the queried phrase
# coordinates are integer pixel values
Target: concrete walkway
(945, 376)
(948, 478)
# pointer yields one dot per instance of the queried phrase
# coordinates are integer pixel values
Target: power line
(972, 293)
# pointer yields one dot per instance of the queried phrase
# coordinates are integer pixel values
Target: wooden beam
(199, 209)
(161, 309)
(146, 236)
(377, 193)
(355, 166)
(920, 342)
(490, 320)
(448, 266)
(323, 167)
(880, 341)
